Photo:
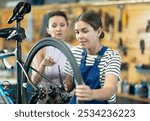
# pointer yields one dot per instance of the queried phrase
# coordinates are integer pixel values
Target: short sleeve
(68, 69)
(113, 65)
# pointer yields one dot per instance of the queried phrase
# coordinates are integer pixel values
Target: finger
(80, 87)
(82, 98)
(81, 94)
(65, 86)
(52, 60)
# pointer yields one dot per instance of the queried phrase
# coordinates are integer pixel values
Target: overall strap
(97, 60)
(95, 70)
(100, 54)
(84, 54)
(102, 51)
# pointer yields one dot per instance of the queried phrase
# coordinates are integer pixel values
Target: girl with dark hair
(47, 61)
(99, 65)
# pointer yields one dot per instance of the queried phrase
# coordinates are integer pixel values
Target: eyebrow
(82, 29)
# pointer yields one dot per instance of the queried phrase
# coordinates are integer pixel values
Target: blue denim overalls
(90, 75)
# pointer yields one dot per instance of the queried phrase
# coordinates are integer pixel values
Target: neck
(94, 50)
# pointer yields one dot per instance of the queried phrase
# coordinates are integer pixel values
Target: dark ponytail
(102, 35)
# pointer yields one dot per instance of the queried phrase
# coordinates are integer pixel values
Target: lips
(58, 34)
(83, 43)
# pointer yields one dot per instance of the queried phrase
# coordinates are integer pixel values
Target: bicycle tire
(63, 48)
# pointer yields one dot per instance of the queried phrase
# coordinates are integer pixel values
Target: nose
(58, 28)
(80, 36)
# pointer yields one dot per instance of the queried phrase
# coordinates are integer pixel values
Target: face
(86, 35)
(58, 27)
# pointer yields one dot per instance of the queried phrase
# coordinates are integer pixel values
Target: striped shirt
(109, 64)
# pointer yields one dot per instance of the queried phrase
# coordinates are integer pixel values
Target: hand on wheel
(47, 61)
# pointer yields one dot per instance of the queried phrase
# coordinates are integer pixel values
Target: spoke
(58, 49)
(44, 76)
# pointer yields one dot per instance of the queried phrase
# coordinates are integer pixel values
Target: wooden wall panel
(133, 32)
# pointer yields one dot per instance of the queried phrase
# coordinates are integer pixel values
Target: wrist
(42, 63)
(41, 67)
(94, 95)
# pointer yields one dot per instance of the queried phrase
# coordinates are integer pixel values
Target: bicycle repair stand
(18, 34)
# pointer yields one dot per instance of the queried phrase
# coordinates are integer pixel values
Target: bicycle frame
(20, 10)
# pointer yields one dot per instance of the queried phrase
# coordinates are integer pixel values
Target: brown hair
(56, 13)
(93, 19)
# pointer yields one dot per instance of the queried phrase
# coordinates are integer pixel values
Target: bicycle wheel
(28, 90)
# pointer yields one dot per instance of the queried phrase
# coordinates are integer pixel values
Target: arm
(68, 83)
(83, 92)
(37, 64)
(40, 61)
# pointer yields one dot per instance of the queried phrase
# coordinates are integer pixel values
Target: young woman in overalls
(99, 65)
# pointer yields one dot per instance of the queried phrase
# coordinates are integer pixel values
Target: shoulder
(112, 53)
(68, 44)
(77, 49)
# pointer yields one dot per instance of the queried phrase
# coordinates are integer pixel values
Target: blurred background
(126, 24)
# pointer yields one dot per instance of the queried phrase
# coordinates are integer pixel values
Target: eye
(85, 31)
(62, 25)
(77, 32)
(54, 25)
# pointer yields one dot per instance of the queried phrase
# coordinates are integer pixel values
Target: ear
(99, 31)
(48, 31)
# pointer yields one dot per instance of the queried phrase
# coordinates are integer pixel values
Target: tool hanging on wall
(100, 12)
(124, 17)
(148, 26)
(121, 47)
(142, 46)
(109, 24)
(106, 17)
(120, 7)
(43, 32)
